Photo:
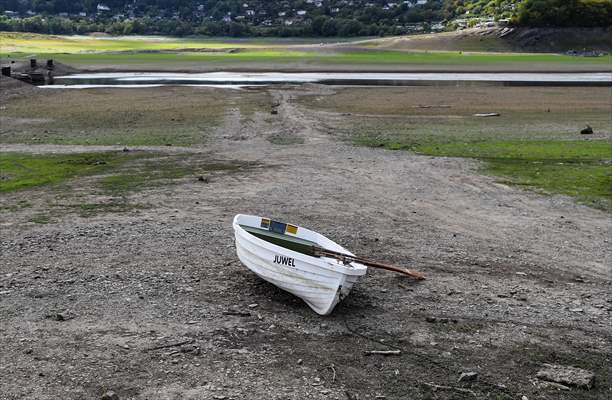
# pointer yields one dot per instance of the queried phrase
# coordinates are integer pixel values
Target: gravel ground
(154, 304)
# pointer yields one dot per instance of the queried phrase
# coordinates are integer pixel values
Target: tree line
(178, 18)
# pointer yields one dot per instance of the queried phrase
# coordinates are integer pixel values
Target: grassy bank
(581, 169)
(90, 184)
(535, 143)
(22, 171)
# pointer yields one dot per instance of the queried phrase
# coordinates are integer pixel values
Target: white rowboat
(282, 255)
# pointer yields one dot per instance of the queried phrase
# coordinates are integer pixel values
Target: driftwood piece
(383, 352)
(456, 389)
(166, 346)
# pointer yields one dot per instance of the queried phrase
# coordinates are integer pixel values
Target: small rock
(274, 112)
(126, 150)
(110, 395)
(587, 131)
(60, 317)
(567, 375)
(203, 179)
(253, 305)
(524, 398)
(468, 377)
(300, 361)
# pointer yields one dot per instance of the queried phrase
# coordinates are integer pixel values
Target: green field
(114, 176)
(21, 171)
(581, 169)
(167, 52)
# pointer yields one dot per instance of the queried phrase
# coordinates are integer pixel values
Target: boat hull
(320, 282)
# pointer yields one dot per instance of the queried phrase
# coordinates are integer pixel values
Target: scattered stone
(468, 377)
(521, 273)
(433, 320)
(126, 150)
(300, 361)
(203, 179)
(274, 112)
(110, 395)
(60, 317)
(587, 131)
(564, 375)
(253, 305)
(577, 310)
(485, 115)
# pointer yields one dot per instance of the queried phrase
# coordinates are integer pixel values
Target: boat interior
(281, 239)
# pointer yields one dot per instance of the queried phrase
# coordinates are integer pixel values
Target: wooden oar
(347, 258)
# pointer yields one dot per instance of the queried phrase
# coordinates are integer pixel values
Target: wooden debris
(166, 346)
(457, 389)
(383, 352)
(237, 313)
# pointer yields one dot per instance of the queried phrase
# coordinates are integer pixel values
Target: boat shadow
(358, 301)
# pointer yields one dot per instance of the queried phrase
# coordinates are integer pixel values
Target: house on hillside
(102, 8)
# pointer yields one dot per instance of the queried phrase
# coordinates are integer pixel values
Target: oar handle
(347, 258)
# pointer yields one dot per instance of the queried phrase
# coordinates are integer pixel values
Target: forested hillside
(293, 17)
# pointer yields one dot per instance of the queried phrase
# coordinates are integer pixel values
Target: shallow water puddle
(239, 79)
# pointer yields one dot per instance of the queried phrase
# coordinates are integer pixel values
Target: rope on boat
(347, 258)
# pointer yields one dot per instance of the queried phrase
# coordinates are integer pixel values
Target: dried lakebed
(152, 303)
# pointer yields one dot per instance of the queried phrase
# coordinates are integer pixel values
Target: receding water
(238, 79)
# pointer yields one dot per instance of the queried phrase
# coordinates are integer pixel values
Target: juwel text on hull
(284, 261)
